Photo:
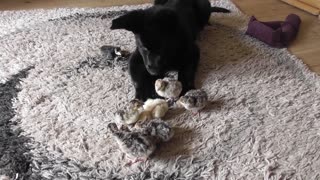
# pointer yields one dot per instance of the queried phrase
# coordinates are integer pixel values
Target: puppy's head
(155, 30)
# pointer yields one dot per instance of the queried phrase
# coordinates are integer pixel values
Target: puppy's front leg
(187, 73)
(142, 80)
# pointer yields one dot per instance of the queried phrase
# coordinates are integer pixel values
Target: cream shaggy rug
(262, 123)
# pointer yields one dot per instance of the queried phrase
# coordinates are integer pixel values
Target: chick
(157, 107)
(152, 108)
(160, 130)
(130, 114)
(168, 88)
(113, 52)
(194, 100)
(137, 146)
(110, 52)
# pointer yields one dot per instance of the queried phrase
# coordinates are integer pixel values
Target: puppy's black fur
(165, 37)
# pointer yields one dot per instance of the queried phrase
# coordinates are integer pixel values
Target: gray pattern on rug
(262, 122)
(14, 161)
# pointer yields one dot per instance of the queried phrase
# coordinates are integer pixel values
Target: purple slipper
(275, 33)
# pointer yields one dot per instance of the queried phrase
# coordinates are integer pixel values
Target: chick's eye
(191, 100)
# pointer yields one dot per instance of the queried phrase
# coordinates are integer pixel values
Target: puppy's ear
(133, 21)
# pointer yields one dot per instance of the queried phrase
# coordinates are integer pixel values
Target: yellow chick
(157, 107)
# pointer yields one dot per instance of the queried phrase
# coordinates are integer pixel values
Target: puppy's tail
(219, 10)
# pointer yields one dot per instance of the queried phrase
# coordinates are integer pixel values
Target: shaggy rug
(58, 93)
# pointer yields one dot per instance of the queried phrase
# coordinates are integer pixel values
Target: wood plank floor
(46, 4)
(306, 46)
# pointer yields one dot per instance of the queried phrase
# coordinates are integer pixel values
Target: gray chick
(137, 145)
(130, 114)
(160, 130)
(169, 88)
(194, 100)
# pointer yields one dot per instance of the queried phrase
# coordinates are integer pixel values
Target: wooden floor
(306, 46)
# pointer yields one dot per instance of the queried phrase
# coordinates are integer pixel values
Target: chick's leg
(130, 163)
(196, 113)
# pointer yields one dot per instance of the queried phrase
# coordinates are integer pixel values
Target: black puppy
(166, 41)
